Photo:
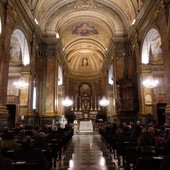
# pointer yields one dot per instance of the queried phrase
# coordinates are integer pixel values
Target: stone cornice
(26, 19)
(147, 16)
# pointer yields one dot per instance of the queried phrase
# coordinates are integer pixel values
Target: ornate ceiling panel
(86, 28)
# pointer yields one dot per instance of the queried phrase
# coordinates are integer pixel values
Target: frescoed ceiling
(86, 29)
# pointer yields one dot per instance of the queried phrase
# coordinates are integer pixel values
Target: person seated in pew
(9, 143)
(146, 144)
(5, 133)
(5, 163)
(28, 152)
(55, 133)
(19, 137)
(41, 142)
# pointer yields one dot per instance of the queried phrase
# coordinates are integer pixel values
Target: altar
(86, 126)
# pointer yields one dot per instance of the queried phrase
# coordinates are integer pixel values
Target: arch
(19, 53)
(151, 49)
(60, 76)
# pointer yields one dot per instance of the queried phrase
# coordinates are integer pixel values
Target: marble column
(136, 53)
(51, 86)
(56, 87)
(114, 97)
(33, 77)
(4, 67)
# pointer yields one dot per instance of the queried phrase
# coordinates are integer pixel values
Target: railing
(11, 99)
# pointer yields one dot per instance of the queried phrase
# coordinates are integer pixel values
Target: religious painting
(85, 90)
(19, 52)
(85, 29)
(155, 51)
(148, 99)
(151, 50)
(15, 55)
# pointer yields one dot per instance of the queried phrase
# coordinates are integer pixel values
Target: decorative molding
(85, 4)
(42, 49)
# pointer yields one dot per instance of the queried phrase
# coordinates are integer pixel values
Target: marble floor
(86, 152)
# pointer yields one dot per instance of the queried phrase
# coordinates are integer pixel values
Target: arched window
(19, 52)
(151, 50)
(34, 104)
(60, 76)
(35, 91)
(110, 76)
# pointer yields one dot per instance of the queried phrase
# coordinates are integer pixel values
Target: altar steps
(87, 133)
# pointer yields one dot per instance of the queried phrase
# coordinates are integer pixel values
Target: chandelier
(21, 84)
(67, 101)
(150, 83)
(104, 102)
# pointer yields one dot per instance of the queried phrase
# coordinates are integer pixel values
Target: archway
(19, 74)
(152, 76)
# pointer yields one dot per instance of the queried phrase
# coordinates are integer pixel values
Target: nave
(86, 152)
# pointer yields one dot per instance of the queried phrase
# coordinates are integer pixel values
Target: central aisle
(86, 152)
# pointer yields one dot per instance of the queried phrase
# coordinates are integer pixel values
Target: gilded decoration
(148, 99)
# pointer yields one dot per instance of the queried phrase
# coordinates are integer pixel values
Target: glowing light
(150, 83)
(36, 21)
(133, 22)
(104, 102)
(21, 84)
(57, 35)
(67, 102)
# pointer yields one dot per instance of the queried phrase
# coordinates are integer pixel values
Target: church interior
(84, 63)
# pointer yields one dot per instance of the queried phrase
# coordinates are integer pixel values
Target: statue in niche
(85, 93)
(85, 96)
(84, 62)
(85, 105)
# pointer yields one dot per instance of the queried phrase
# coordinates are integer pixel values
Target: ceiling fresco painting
(86, 28)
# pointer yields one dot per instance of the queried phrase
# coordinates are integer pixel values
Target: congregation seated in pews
(137, 145)
(35, 148)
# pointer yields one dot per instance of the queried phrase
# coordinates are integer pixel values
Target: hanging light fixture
(150, 83)
(104, 102)
(67, 101)
(21, 84)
